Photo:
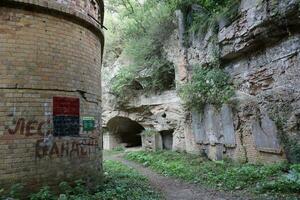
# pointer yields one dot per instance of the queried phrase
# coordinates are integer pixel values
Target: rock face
(260, 51)
(50, 97)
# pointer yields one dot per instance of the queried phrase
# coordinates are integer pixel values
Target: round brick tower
(50, 90)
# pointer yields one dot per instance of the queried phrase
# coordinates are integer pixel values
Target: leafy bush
(119, 148)
(159, 77)
(16, 191)
(208, 86)
(44, 194)
(122, 82)
(287, 183)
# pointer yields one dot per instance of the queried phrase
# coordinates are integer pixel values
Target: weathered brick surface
(43, 55)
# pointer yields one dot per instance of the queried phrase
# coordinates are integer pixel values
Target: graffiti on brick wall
(50, 146)
(29, 128)
(65, 148)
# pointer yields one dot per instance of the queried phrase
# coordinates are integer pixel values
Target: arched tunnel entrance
(126, 131)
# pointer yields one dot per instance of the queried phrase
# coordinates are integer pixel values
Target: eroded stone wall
(50, 81)
(260, 51)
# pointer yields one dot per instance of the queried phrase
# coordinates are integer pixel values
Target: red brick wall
(43, 56)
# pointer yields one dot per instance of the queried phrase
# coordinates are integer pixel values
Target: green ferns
(208, 86)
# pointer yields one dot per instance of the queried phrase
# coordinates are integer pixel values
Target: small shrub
(122, 82)
(119, 149)
(16, 191)
(44, 194)
(296, 167)
(208, 86)
(287, 183)
(65, 188)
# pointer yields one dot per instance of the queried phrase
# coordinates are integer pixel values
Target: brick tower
(50, 90)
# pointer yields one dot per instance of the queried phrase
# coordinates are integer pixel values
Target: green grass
(115, 151)
(125, 183)
(120, 183)
(276, 179)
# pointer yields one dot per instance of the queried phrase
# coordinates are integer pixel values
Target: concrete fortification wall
(50, 90)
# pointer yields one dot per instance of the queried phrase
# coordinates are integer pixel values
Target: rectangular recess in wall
(66, 116)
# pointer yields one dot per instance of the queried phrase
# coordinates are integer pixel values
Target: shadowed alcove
(167, 139)
(126, 130)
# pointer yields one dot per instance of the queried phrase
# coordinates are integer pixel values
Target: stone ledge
(259, 26)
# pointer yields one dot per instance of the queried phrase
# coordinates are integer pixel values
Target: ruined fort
(50, 90)
(260, 52)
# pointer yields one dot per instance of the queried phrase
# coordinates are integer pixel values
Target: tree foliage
(143, 28)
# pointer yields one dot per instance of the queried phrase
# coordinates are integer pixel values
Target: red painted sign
(66, 106)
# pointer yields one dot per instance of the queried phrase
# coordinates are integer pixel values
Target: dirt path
(174, 189)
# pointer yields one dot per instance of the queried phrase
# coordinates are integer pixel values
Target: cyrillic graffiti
(50, 146)
(30, 128)
(66, 148)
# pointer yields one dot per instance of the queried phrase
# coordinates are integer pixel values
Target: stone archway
(123, 131)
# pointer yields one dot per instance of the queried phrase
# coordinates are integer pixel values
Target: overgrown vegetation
(208, 86)
(278, 179)
(121, 182)
(119, 148)
(144, 27)
(141, 29)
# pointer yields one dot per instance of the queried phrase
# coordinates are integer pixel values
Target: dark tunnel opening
(126, 130)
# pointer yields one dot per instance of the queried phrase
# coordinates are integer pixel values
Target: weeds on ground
(114, 151)
(121, 183)
(279, 178)
(119, 149)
